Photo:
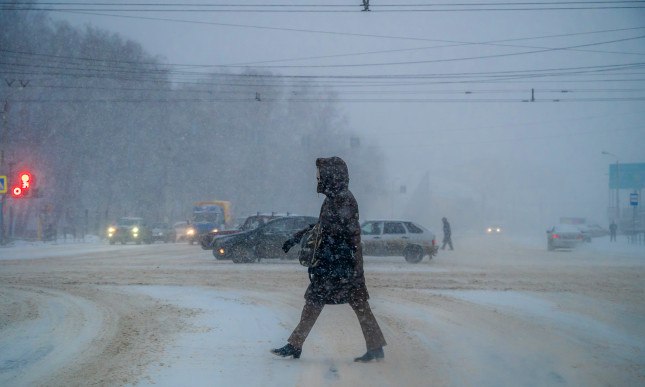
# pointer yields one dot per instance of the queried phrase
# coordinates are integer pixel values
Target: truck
(208, 216)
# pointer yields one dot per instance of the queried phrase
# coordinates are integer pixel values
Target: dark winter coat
(446, 229)
(338, 276)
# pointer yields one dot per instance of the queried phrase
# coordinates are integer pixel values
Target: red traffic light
(25, 180)
(17, 192)
(23, 186)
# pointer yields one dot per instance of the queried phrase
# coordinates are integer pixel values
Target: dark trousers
(446, 241)
(371, 331)
(612, 237)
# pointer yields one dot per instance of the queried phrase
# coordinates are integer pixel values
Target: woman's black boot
(287, 350)
(372, 354)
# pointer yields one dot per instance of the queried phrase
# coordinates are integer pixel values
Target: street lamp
(617, 183)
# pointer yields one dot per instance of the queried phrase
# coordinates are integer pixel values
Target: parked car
(250, 223)
(398, 238)
(593, 231)
(265, 241)
(129, 229)
(163, 232)
(563, 236)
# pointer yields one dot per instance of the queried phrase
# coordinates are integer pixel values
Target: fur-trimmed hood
(334, 175)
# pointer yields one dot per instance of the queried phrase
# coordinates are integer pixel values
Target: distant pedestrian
(337, 276)
(447, 237)
(612, 231)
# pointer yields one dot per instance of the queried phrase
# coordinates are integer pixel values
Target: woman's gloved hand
(288, 244)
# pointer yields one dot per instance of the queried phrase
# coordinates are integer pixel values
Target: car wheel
(249, 256)
(413, 254)
(242, 254)
(220, 257)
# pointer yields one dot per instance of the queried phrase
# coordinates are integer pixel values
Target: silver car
(563, 236)
(398, 237)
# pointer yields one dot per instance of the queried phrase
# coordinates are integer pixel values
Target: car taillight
(433, 242)
(555, 236)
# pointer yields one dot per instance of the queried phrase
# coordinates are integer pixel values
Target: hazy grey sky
(464, 122)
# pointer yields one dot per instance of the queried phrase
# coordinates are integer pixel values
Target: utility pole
(3, 201)
(3, 149)
(617, 184)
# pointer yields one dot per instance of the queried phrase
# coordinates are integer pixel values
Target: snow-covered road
(494, 312)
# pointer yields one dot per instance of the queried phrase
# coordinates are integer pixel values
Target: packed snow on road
(495, 311)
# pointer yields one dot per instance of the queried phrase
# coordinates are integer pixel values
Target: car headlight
(215, 230)
(135, 230)
(499, 230)
(111, 230)
(190, 231)
(221, 251)
(489, 230)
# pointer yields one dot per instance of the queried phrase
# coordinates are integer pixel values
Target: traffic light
(23, 186)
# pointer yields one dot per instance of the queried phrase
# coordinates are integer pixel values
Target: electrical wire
(322, 8)
(453, 44)
(115, 66)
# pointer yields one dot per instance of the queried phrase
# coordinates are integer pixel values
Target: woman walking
(337, 277)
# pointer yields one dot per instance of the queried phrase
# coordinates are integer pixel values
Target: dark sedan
(251, 223)
(163, 232)
(263, 242)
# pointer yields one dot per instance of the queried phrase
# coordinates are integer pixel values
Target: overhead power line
(108, 65)
(321, 100)
(501, 43)
(491, 56)
(536, 51)
(334, 33)
(323, 8)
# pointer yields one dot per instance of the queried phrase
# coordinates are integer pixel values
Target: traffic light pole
(2, 220)
(3, 201)
(5, 110)
(3, 147)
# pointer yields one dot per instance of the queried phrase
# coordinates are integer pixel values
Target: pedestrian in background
(337, 277)
(612, 231)
(447, 237)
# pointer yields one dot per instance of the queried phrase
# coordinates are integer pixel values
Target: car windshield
(128, 222)
(206, 217)
(275, 226)
(253, 223)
